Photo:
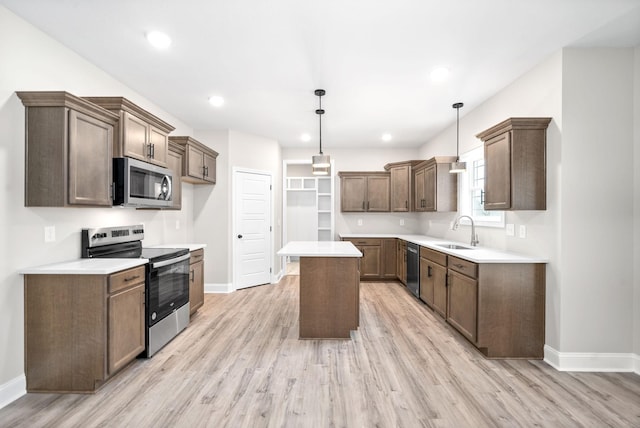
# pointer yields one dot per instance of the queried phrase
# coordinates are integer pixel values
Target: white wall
(32, 61)
(636, 205)
(586, 231)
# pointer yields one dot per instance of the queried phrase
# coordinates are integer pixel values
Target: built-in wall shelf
(300, 224)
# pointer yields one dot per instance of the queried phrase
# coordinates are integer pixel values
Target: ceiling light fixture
(386, 137)
(305, 137)
(457, 167)
(158, 39)
(216, 101)
(320, 162)
(440, 74)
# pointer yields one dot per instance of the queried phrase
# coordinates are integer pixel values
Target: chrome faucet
(474, 236)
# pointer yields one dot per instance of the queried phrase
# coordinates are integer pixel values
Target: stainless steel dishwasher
(413, 268)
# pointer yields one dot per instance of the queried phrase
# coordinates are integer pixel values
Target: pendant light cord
(320, 111)
(457, 107)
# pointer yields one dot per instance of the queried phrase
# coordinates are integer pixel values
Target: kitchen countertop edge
(319, 249)
(84, 267)
(476, 255)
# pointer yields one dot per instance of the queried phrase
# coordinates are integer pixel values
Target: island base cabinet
(329, 297)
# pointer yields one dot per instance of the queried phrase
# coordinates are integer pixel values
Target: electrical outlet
(359, 222)
(401, 222)
(511, 229)
(49, 234)
(177, 224)
(522, 233)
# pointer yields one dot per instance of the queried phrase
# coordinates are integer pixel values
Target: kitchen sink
(455, 247)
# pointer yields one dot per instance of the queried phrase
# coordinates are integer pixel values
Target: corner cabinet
(140, 134)
(435, 189)
(196, 281)
(69, 144)
(364, 191)
(199, 163)
(515, 164)
(401, 185)
(81, 329)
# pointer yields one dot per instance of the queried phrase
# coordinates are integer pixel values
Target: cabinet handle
(153, 151)
(113, 191)
(367, 205)
(458, 265)
(429, 271)
(206, 171)
(149, 151)
(131, 278)
(363, 205)
(406, 204)
(192, 275)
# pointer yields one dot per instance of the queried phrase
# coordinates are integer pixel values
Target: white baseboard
(12, 390)
(591, 362)
(219, 288)
(276, 279)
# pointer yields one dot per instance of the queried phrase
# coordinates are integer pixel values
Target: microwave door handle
(165, 189)
(170, 262)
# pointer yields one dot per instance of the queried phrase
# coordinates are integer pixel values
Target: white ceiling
(373, 57)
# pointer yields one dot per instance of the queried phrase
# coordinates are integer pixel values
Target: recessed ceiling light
(305, 137)
(158, 39)
(216, 101)
(386, 137)
(440, 74)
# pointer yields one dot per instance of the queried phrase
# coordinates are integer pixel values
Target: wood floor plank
(240, 364)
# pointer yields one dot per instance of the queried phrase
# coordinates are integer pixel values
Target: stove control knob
(153, 316)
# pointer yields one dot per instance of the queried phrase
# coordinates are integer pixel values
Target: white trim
(591, 361)
(277, 277)
(12, 390)
(219, 288)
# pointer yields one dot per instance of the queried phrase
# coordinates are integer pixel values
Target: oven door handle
(170, 262)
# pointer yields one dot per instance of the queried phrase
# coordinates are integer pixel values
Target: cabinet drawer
(196, 256)
(434, 256)
(366, 241)
(463, 266)
(125, 279)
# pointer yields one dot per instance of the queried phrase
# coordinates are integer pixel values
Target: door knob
(240, 236)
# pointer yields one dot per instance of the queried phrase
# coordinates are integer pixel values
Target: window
(471, 190)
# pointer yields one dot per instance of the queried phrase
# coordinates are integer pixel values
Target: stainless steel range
(167, 279)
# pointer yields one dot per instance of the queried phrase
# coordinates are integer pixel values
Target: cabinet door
(430, 188)
(463, 304)
(209, 168)
(439, 277)
(400, 188)
(426, 281)
(378, 193)
(160, 146)
(352, 194)
(126, 326)
(196, 286)
(174, 162)
(389, 258)
(497, 172)
(135, 137)
(195, 163)
(370, 262)
(90, 165)
(419, 198)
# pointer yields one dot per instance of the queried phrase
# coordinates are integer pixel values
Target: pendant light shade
(320, 162)
(457, 167)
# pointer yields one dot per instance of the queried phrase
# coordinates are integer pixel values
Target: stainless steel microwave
(140, 184)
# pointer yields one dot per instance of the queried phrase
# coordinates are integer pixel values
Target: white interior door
(252, 206)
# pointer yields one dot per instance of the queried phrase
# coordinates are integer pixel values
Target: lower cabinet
(433, 280)
(378, 260)
(196, 281)
(81, 329)
(462, 311)
(401, 261)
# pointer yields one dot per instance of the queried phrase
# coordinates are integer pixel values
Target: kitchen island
(329, 288)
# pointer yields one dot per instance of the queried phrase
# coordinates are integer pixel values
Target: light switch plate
(522, 233)
(401, 222)
(511, 229)
(177, 224)
(49, 234)
(359, 222)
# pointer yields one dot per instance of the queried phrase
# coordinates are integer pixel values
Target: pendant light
(320, 162)
(457, 167)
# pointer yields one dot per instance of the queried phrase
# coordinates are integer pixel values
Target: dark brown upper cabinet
(401, 185)
(364, 191)
(435, 189)
(515, 164)
(199, 162)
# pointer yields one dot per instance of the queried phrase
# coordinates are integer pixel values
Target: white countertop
(475, 254)
(191, 247)
(85, 267)
(320, 249)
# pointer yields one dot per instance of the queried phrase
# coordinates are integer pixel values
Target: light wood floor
(240, 364)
